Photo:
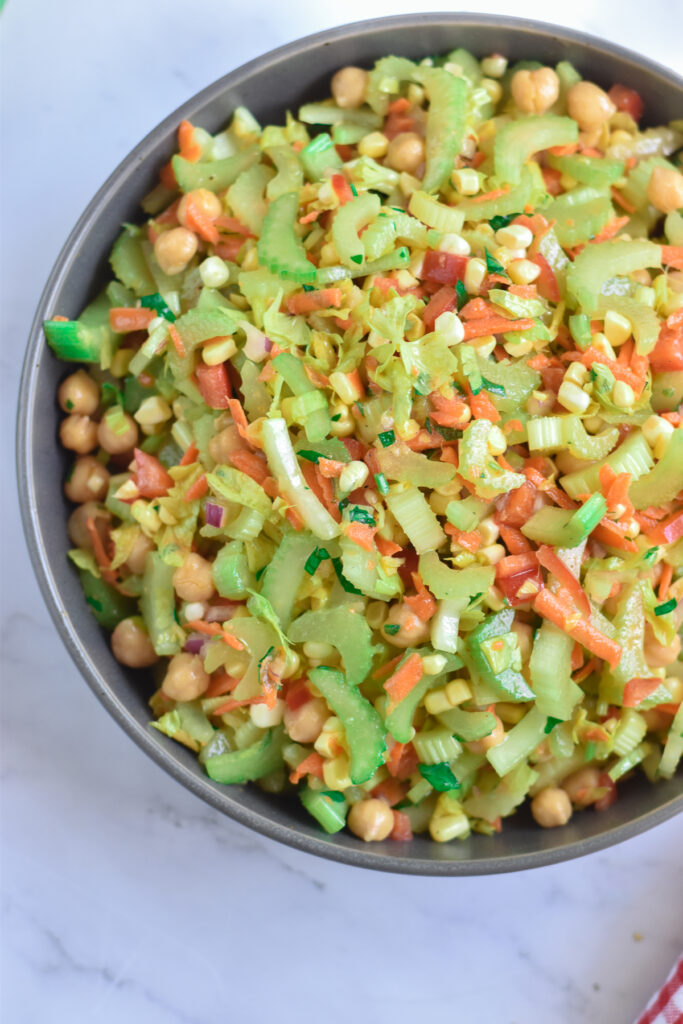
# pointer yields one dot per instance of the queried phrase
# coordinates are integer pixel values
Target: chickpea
(304, 724)
(203, 201)
(580, 786)
(79, 393)
(174, 249)
(551, 807)
(87, 481)
(665, 189)
(78, 433)
(193, 580)
(185, 678)
(114, 442)
(348, 86)
(589, 105)
(411, 629)
(406, 152)
(492, 740)
(79, 535)
(535, 91)
(131, 644)
(371, 820)
(138, 556)
(659, 655)
(223, 444)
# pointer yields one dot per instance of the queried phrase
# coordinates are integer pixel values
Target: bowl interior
(269, 86)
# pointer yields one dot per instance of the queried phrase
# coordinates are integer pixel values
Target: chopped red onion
(214, 514)
(257, 344)
(220, 612)
(195, 643)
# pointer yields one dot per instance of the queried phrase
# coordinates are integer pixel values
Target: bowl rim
(368, 857)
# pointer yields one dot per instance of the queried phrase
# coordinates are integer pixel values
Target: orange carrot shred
(404, 679)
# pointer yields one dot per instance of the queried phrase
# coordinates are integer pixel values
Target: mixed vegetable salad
(379, 457)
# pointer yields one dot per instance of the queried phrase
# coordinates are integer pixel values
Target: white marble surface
(125, 898)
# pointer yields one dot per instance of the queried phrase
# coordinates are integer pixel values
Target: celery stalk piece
(312, 408)
(398, 462)
(246, 196)
(231, 574)
(467, 726)
(447, 97)
(530, 190)
(319, 156)
(644, 321)
(157, 605)
(285, 468)
(445, 625)
(434, 746)
(128, 263)
(399, 721)
(517, 140)
(662, 483)
(564, 528)
(597, 263)
(253, 762)
(216, 175)
(519, 742)
(279, 247)
(434, 214)
(549, 666)
(673, 748)
(107, 604)
(596, 171)
(633, 456)
(629, 732)
(579, 214)
(186, 722)
(348, 221)
(363, 726)
(509, 682)
(629, 761)
(290, 175)
(329, 114)
(385, 80)
(285, 573)
(630, 634)
(458, 584)
(503, 798)
(414, 515)
(328, 808)
(346, 630)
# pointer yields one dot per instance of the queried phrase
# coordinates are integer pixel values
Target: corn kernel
(128, 491)
(415, 327)
(646, 295)
(318, 651)
(342, 420)
(450, 327)
(493, 88)
(469, 145)
(436, 702)
(623, 394)
(466, 181)
(494, 66)
(152, 411)
(655, 427)
(267, 718)
(416, 94)
(523, 271)
(458, 691)
(492, 553)
(497, 442)
(432, 664)
(336, 772)
(348, 388)
(408, 184)
(218, 351)
(510, 713)
(213, 272)
(455, 244)
(602, 344)
(632, 529)
(617, 328)
(661, 446)
(331, 738)
(353, 475)
(120, 361)
(572, 397)
(494, 599)
(250, 260)
(475, 272)
(488, 531)
(374, 145)
(514, 236)
(576, 373)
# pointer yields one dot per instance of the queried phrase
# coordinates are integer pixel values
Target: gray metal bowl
(268, 86)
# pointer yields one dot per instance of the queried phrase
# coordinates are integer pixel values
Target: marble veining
(124, 898)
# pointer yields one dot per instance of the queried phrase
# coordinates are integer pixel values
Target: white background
(125, 898)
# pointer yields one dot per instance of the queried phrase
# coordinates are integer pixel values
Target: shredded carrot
(391, 790)
(607, 532)
(588, 669)
(188, 148)
(330, 468)
(559, 609)
(252, 464)
(101, 556)
(198, 221)
(622, 200)
(309, 218)
(512, 425)
(197, 490)
(232, 705)
(311, 765)
(341, 188)
(422, 603)
(496, 325)
(577, 659)
(177, 340)
(167, 177)
(475, 309)
(387, 668)
(469, 541)
(402, 760)
(551, 561)
(495, 194)
(220, 684)
(190, 455)
(672, 256)
(362, 534)
(611, 228)
(214, 629)
(399, 106)
(482, 407)
(387, 548)
(321, 486)
(638, 690)
(514, 540)
(399, 685)
(125, 320)
(241, 422)
(294, 519)
(665, 581)
(309, 302)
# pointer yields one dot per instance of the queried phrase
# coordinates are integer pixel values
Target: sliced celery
(517, 140)
(579, 214)
(348, 221)
(346, 630)
(434, 214)
(399, 463)
(246, 196)
(279, 247)
(326, 807)
(629, 732)
(466, 513)
(415, 517)
(216, 175)
(564, 528)
(362, 724)
(632, 456)
(231, 574)
(519, 742)
(502, 799)
(596, 171)
(549, 666)
(319, 156)
(530, 191)
(290, 175)
(285, 573)
(445, 130)
(673, 748)
(399, 721)
(253, 762)
(467, 726)
(664, 482)
(73, 341)
(157, 605)
(644, 321)
(629, 761)
(599, 262)
(461, 584)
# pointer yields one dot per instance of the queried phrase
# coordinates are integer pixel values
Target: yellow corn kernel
(250, 260)
(494, 66)
(331, 738)
(458, 691)
(494, 599)
(656, 427)
(336, 773)
(374, 145)
(432, 664)
(454, 244)
(492, 554)
(623, 394)
(450, 327)
(602, 344)
(461, 559)
(475, 272)
(617, 328)
(576, 373)
(514, 236)
(353, 475)
(493, 88)
(153, 411)
(488, 531)
(408, 184)
(120, 361)
(448, 821)
(661, 446)
(466, 181)
(510, 713)
(497, 442)
(218, 351)
(572, 397)
(523, 271)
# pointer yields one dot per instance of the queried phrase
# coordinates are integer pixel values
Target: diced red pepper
(214, 386)
(444, 267)
(510, 586)
(151, 478)
(546, 282)
(627, 100)
(402, 760)
(401, 830)
(444, 301)
(516, 507)
(668, 352)
(669, 530)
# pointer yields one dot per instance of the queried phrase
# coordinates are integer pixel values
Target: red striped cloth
(666, 1007)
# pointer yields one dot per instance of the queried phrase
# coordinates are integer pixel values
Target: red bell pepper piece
(151, 478)
(444, 267)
